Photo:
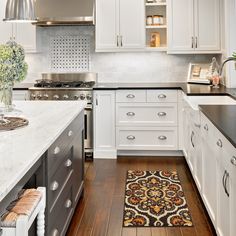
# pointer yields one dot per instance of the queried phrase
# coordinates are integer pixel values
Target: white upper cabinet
(180, 23)
(207, 25)
(120, 25)
(194, 26)
(6, 29)
(22, 33)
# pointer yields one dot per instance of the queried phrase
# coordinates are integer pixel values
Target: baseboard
(149, 153)
(103, 154)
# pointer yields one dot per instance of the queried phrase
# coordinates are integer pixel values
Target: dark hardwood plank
(100, 212)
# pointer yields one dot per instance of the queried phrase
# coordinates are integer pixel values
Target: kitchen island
(48, 152)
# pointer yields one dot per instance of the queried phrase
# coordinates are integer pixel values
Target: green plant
(13, 67)
(234, 55)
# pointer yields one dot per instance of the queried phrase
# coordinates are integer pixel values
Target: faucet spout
(224, 62)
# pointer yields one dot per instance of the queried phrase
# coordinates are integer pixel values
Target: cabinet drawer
(149, 138)
(57, 181)
(62, 212)
(131, 96)
(162, 96)
(146, 114)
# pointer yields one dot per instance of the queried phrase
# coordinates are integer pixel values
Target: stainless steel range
(76, 86)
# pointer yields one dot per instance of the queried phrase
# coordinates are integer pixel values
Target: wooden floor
(100, 212)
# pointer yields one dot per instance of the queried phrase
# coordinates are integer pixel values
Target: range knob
(55, 97)
(65, 97)
(76, 97)
(89, 97)
(39, 96)
(33, 96)
(82, 96)
(45, 96)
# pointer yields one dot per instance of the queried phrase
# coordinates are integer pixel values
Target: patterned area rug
(155, 199)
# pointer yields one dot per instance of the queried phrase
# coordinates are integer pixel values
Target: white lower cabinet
(146, 120)
(104, 124)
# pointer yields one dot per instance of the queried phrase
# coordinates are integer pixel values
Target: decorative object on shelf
(155, 40)
(11, 123)
(149, 20)
(158, 20)
(13, 68)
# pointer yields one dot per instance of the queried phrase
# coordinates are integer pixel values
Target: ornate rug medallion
(155, 199)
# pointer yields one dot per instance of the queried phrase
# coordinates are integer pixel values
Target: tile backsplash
(112, 67)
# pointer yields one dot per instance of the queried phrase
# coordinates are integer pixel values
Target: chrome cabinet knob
(54, 186)
(33, 96)
(68, 203)
(68, 163)
(219, 143)
(89, 97)
(162, 137)
(233, 160)
(197, 125)
(131, 137)
(161, 96)
(206, 127)
(55, 232)
(56, 150)
(130, 114)
(39, 96)
(130, 96)
(45, 96)
(70, 133)
(55, 97)
(161, 113)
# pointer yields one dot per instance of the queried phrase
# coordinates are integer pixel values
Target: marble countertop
(20, 149)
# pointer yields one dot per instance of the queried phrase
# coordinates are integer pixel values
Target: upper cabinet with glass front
(194, 26)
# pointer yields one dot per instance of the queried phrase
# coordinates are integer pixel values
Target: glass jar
(158, 20)
(6, 91)
(149, 20)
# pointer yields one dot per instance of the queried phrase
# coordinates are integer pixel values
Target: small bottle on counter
(215, 79)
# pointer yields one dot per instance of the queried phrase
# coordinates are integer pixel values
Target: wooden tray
(15, 122)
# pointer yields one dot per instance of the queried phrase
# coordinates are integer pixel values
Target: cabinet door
(6, 28)
(104, 124)
(107, 24)
(207, 25)
(198, 159)
(223, 203)
(185, 126)
(132, 31)
(180, 25)
(209, 190)
(26, 36)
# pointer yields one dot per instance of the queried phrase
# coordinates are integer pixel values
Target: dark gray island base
(224, 119)
(61, 170)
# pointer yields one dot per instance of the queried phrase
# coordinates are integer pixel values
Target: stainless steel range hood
(65, 12)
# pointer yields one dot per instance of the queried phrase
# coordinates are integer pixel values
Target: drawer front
(62, 212)
(146, 115)
(58, 180)
(152, 138)
(162, 96)
(62, 145)
(131, 96)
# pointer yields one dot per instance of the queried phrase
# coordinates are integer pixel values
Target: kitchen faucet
(224, 62)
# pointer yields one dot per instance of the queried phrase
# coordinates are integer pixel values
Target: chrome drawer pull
(68, 163)
(56, 150)
(162, 137)
(161, 114)
(55, 232)
(68, 203)
(130, 96)
(233, 160)
(206, 127)
(70, 133)
(162, 96)
(219, 143)
(130, 114)
(54, 186)
(131, 137)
